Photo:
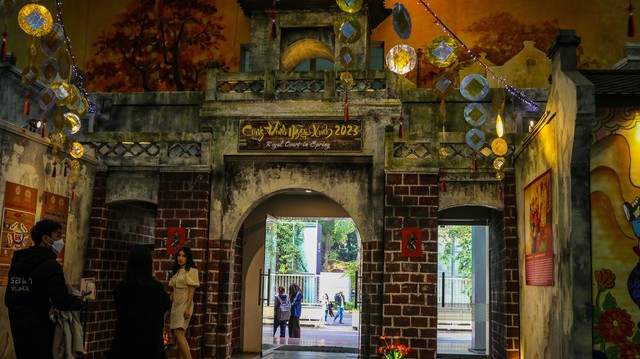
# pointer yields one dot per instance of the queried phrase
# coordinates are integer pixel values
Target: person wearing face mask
(36, 281)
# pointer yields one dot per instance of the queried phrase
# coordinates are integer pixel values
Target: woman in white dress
(184, 280)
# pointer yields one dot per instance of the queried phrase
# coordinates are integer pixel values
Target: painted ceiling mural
(128, 45)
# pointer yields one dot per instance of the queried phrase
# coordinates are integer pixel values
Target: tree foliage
(340, 241)
(144, 52)
(456, 253)
(284, 246)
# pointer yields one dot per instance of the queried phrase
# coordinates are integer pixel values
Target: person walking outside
(339, 299)
(281, 311)
(141, 303)
(296, 310)
(183, 280)
(36, 281)
(326, 306)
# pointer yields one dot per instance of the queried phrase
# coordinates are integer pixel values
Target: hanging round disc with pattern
(401, 21)
(401, 59)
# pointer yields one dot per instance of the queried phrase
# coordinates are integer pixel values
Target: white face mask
(57, 246)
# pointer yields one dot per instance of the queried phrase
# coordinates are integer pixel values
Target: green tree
(288, 241)
(340, 241)
(455, 252)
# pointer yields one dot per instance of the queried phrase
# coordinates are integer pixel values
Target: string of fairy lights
(74, 68)
(512, 90)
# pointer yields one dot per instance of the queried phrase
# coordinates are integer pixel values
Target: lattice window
(412, 150)
(300, 86)
(464, 151)
(240, 86)
(145, 149)
(184, 150)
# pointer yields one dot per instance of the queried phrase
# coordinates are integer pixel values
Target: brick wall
(114, 229)
(504, 304)
(236, 294)
(409, 283)
(183, 201)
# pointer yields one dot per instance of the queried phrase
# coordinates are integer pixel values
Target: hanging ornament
(475, 114)
(474, 87)
(73, 192)
(443, 85)
(35, 20)
(51, 42)
(401, 21)
(64, 166)
(499, 163)
(77, 150)
(44, 126)
(475, 161)
(6, 10)
(27, 105)
(55, 166)
(345, 107)
(401, 59)
(349, 6)
(499, 126)
(499, 147)
(443, 51)
(631, 27)
(500, 191)
(346, 57)
(443, 182)
(475, 140)
(346, 80)
(347, 29)
(72, 123)
(401, 129)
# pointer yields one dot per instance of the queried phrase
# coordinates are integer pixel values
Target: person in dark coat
(141, 303)
(36, 281)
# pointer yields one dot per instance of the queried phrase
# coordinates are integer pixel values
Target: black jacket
(140, 313)
(36, 281)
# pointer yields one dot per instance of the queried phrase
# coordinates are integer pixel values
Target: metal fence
(308, 283)
(454, 292)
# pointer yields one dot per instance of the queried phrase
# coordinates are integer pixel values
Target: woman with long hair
(184, 280)
(295, 295)
(141, 303)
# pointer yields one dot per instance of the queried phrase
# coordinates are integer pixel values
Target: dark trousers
(279, 324)
(294, 327)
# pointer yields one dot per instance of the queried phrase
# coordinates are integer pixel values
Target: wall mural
(615, 217)
(128, 45)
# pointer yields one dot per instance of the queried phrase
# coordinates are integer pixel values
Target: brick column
(409, 283)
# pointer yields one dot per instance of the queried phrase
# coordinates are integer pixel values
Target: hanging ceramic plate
(474, 87)
(46, 99)
(401, 59)
(444, 84)
(35, 20)
(499, 147)
(346, 57)
(49, 70)
(475, 139)
(51, 42)
(475, 114)
(30, 75)
(347, 29)
(443, 51)
(346, 79)
(350, 6)
(401, 21)
(6, 8)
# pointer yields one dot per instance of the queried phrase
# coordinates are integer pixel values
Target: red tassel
(73, 193)
(65, 166)
(44, 126)
(443, 182)
(475, 162)
(27, 106)
(500, 191)
(346, 105)
(159, 8)
(3, 50)
(631, 27)
(55, 165)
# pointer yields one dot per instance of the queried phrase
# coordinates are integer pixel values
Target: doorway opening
(463, 283)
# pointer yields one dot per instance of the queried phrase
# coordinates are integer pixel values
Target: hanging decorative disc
(49, 70)
(77, 150)
(75, 164)
(63, 91)
(346, 79)
(57, 138)
(401, 21)
(443, 51)
(346, 57)
(6, 8)
(475, 139)
(499, 175)
(80, 106)
(474, 87)
(499, 147)
(51, 42)
(71, 123)
(499, 163)
(443, 153)
(444, 84)
(347, 29)
(30, 75)
(350, 6)
(46, 99)
(64, 64)
(35, 20)
(475, 114)
(401, 59)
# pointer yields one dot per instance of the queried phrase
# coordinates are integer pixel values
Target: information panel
(300, 135)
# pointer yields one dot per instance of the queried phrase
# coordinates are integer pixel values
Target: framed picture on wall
(538, 230)
(176, 238)
(411, 242)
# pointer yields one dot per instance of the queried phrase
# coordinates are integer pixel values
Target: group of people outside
(287, 310)
(338, 302)
(36, 286)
